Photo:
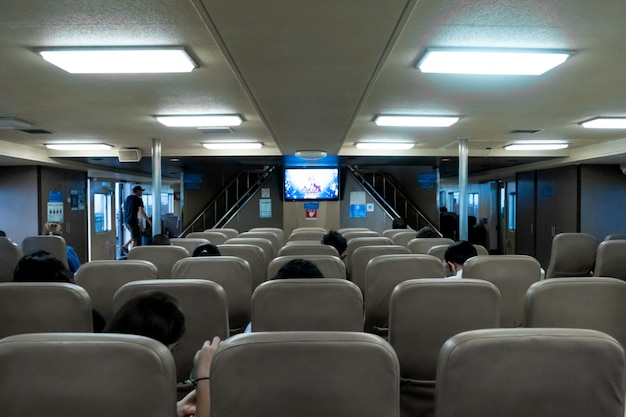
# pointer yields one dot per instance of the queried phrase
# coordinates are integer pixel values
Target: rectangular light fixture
(78, 146)
(123, 60)
(490, 61)
(233, 145)
(606, 123)
(416, 121)
(536, 146)
(384, 146)
(14, 123)
(201, 120)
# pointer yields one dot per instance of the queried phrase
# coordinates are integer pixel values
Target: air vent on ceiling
(129, 155)
(526, 131)
(36, 131)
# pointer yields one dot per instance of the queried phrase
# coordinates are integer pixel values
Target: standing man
(133, 210)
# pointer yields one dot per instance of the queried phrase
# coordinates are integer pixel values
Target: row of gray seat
(486, 373)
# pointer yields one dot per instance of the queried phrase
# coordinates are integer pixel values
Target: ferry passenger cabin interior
(294, 118)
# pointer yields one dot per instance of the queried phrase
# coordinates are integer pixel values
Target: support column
(156, 186)
(463, 153)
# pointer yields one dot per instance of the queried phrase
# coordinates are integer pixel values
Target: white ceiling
(313, 74)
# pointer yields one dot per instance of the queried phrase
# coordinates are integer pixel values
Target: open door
(102, 229)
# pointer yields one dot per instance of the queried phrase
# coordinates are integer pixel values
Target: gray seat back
(403, 237)
(382, 275)
(362, 255)
(10, 254)
(232, 273)
(204, 305)
(271, 236)
(265, 244)
(572, 255)
(307, 304)
(513, 275)
(37, 307)
(163, 257)
(228, 231)
(589, 303)
(357, 242)
(611, 259)
(360, 233)
(531, 372)
(251, 253)
(214, 236)
(313, 235)
(423, 314)
(189, 243)
(86, 374)
(423, 244)
(101, 279)
(307, 249)
(54, 245)
(276, 230)
(340, 374)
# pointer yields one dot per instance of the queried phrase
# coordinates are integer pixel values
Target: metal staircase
(233, 197)
(382, 189)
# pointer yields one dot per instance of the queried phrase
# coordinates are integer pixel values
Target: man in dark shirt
(133, 209)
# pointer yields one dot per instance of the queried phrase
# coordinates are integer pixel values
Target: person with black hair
(208, 249)
(157, 315)
(399, 223)
(159, 240)
(41, 266)
(298, 268)
(426, 231)
(455, 256)
(133, 210)
(336, 240)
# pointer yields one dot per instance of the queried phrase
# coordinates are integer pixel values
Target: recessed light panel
(490, 61)
(536, 146)
(13, 123)
(385, 146)
(416, 121)
(201, 120)
(107, 60)
(606, 123)
(78, 146)
(233, 145)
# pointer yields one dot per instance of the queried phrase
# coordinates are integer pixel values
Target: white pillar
(156, 186)
(463, 153)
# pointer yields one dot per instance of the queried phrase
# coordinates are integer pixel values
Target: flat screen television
(311, 183)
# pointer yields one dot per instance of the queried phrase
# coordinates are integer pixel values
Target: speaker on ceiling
(129, 155)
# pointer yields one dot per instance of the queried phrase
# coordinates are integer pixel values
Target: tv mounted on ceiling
(311, 183)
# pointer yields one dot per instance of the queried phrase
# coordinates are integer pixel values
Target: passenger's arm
(203, 360)
(142, 213)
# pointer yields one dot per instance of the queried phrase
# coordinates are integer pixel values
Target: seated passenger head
(3, 233)
(161, 239)
(207, 249)
(336, 240)
(399, 223)
(299, 268)
(457, 253)
(426, 231)
(41, 266)
(153, 314)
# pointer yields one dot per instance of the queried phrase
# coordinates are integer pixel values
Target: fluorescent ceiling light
(233, 145)
(107, 60)
(201, 120)
(391, 146)
(536, 146)
(490, 61)
(78, 146)
(606, 123)
(416, 121)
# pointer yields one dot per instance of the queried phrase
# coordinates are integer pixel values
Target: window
(453, 201)
(472, 204)
(512, 223)
(102, 212)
